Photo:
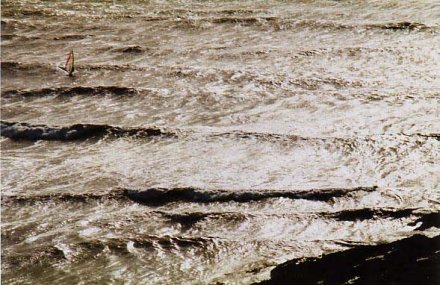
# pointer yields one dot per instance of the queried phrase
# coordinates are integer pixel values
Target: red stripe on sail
(68, 59)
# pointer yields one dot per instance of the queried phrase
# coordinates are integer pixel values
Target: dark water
(207, 142)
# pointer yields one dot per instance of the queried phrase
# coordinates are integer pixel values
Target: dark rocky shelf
(413, 260)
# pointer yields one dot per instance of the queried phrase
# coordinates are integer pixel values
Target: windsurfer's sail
(69, 67)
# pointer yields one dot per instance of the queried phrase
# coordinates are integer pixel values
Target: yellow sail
(70, 63)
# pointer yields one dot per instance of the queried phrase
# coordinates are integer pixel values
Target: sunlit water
(270, 103)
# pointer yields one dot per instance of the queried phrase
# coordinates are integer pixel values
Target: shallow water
(207, 142)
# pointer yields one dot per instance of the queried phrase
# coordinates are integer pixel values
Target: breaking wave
(24, 131)
(161, 196)
(157, 196)
(32, 132)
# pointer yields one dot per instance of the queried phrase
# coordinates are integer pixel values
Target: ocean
(210, 142)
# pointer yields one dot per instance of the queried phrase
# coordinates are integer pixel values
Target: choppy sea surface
(206, 142)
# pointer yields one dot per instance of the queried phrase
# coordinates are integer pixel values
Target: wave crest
(24, 131)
